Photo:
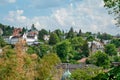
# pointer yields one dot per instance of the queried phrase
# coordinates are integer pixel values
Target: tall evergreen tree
(79, 33)
(41, 34)
(85, 49)
(33, 27)
(71, 33)
(53, 39)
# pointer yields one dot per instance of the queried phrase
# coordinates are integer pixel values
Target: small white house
(46, 37)
(30, 39)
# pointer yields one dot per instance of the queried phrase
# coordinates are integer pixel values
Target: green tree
(2, 42)
(85, 49)
(90, 38)
(33, 27)
(85, 73)
(15, 64)
(100, 59)
(71, 33)
(116, 42)
(23, 30)
(46, 69)
(77, 42)
(42, 33)
(110, 49)
(59, 34)
(87, 34)
(113, 7)
(7, 30)
(113, 74)
(44, 49)
(104, 36)
(80, 33)
(31, 50)
(116, 58)
(53, 39)
(63, 50)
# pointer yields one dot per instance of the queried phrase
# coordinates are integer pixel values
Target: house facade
(46, 37)
(95, 46)
(30, 36)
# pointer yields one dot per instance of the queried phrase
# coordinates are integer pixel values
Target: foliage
(53, 39)
(85, 49)
(63, 50)
(71, 33)
(77, 42)
(2, 42)
(59, 34)
(46, 69)
(79, 48)
(44, 49)
(7, 30)
(90, 38)
(40, 50)
(23, 30)
(42, 33)
(116, 58)
(113, 8)
(33, 27)
(18, 65)
(30, 50)
(75, 56)
(80, 33)
(110, 49)
(100, 59)
(85, 73)
(113, 74)
(104, 36)
(87, 34)
(116, 42)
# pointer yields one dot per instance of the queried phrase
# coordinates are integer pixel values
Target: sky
(87, 15)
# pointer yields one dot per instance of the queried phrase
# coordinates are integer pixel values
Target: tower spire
(67, 73)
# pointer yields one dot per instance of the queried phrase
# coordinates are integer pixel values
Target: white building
(46, 37)
(106, 41)
(30, 37)
(95, 46)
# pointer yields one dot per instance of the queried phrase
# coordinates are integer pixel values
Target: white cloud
(60, 16)
(11, 1)
(16, 16)
(88, 15)
(3, 2)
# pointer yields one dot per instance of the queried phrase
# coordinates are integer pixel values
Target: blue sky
(88, 15)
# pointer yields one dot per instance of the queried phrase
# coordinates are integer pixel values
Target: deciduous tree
(110, 49)
(100, 59)
(113, 7)
(63, 50)
(53, 39)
